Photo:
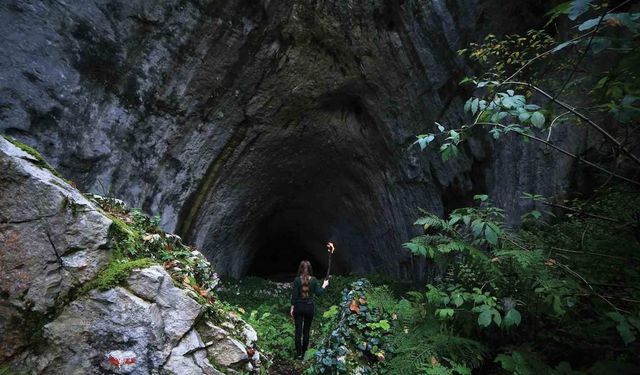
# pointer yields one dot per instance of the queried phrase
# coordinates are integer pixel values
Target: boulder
(222, 348)
(127, 329)
(52, 240)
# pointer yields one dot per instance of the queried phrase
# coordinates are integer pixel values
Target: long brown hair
(305, 272)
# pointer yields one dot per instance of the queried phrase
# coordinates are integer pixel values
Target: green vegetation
(138, 242)
(115, 273)
(558, 294)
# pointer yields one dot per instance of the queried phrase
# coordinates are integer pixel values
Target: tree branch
(581, 116)
(565, 152)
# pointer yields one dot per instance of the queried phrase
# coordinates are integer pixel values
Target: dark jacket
(315, 287)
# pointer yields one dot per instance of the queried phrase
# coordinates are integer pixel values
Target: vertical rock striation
(259, 129)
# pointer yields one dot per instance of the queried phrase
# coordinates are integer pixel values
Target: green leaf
(480, 197)
(331, 312)
(512, 317)
(443, 313)
(474, 106)
(624, 329)
(454, 136)
(440, 127)
(424, 141)
(524, 116)
(557, 11)
(484, 319)
(537, 119)
(496, 316)
(599, 44)
(588, 24)
(415, 248)
(448, 151)
(491, 235)
(578, 7)
(477, 226)
(563, 45)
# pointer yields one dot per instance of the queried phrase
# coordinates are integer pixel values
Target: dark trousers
(303, 315)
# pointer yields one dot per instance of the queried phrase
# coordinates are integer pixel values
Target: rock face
(131, 329)
(260, 129)
(53, 241)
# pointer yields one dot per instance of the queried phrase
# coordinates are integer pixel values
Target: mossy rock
(40, 162)
(115, 273)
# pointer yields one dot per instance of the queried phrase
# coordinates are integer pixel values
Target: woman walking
(304, 287)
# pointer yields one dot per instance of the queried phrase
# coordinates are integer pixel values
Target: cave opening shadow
(278, 259)
(279, 256)
(288, 237)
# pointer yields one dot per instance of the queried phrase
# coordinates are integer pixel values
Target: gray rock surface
(224, 349)
(52, 240)
(124, 330)
(248, 124)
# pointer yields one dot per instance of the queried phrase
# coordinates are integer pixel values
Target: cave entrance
(279, 257)
(289, 236)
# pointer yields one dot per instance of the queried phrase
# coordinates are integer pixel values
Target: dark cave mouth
(297, 188)
(287, 238)
(279, 257)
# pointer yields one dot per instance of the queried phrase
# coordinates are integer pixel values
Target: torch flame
(330, 247)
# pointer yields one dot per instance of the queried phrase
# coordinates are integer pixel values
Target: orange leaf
(354, 306)
(362, 301)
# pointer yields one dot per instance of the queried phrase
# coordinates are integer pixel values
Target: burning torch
(330, 250)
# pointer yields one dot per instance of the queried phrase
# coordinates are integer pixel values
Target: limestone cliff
(257, 129)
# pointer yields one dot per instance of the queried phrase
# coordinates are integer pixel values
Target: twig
(580, 58)
(565, 152)
(588, 253)
(584, 118)
(574, 273)
(575, 210)
(569, 41)
(553, 122)
(546, 53)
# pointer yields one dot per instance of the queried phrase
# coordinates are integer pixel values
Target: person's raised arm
(320, 289)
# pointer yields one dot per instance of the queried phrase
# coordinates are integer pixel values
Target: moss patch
(40, 162)
(114, 273)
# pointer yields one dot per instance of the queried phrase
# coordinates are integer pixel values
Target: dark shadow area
(279, 257)
(289, 236)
